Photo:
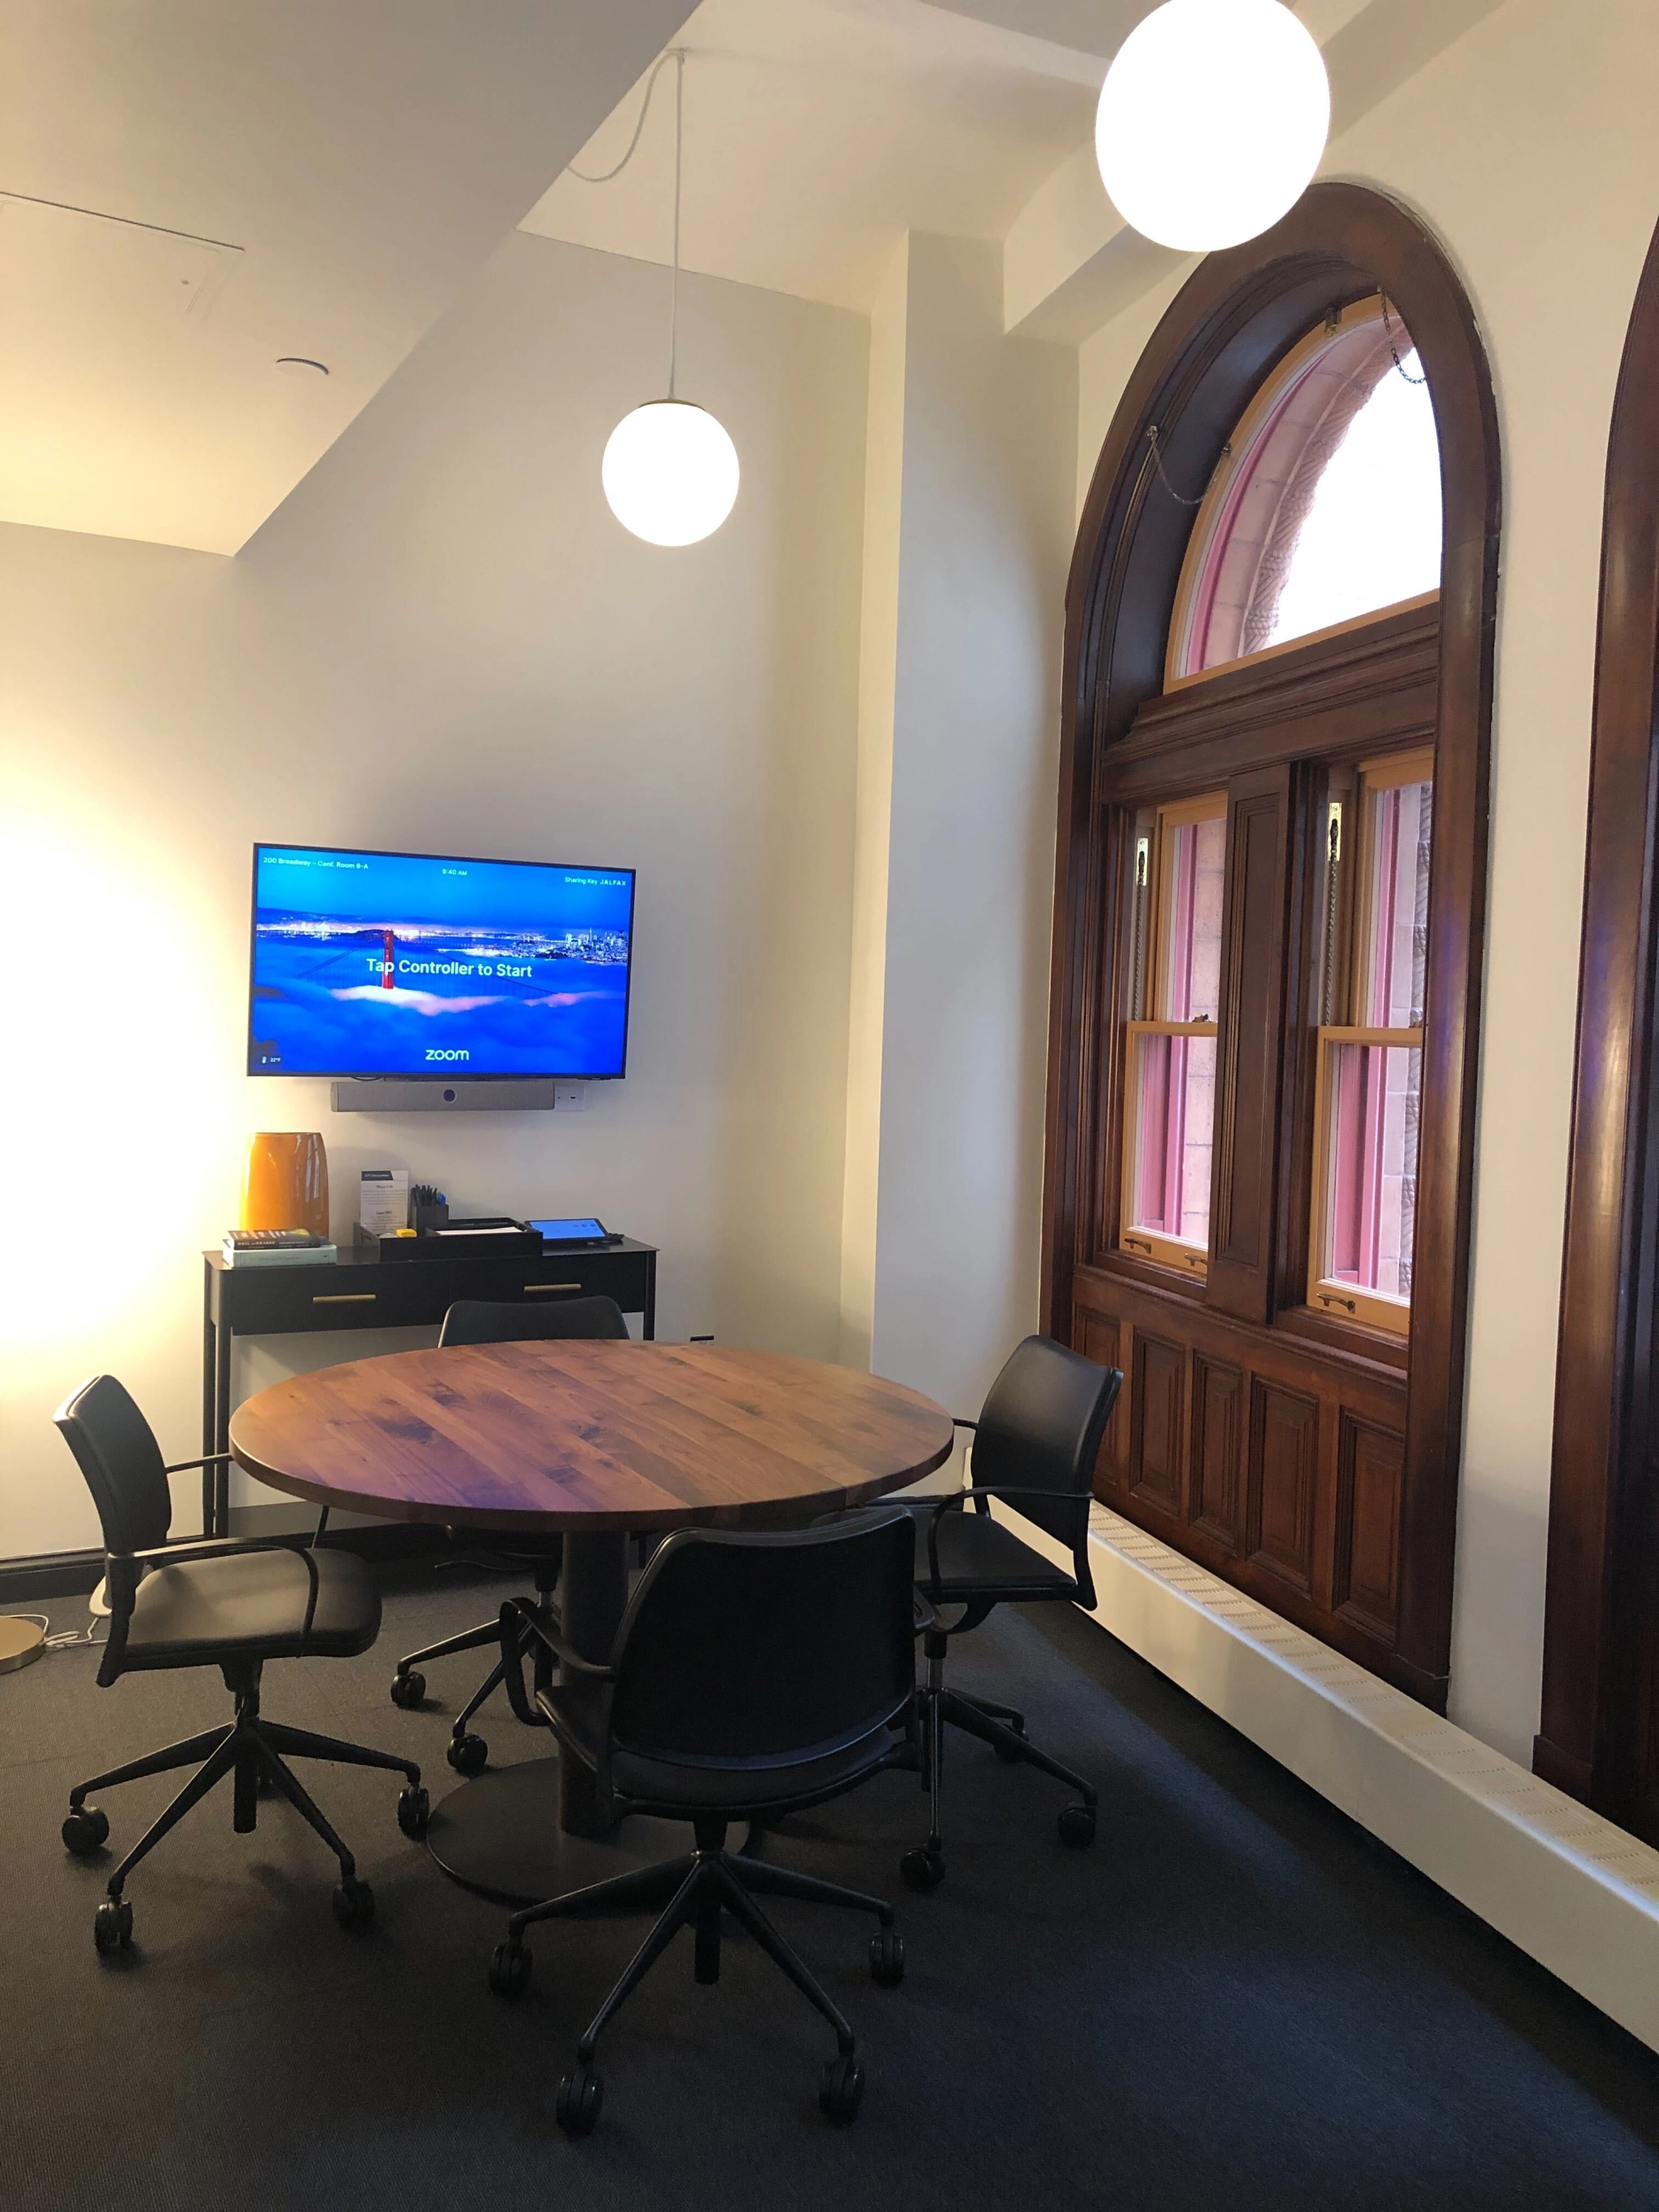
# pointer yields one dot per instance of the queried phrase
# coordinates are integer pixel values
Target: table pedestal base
(500, 1835)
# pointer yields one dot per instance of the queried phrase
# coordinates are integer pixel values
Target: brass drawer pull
(552, 1286)
(344, 1298)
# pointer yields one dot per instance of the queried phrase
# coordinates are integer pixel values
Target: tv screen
(404, 964)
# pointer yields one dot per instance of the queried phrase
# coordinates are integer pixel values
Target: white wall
(441, 641)
(968, 499)
(1529, 147)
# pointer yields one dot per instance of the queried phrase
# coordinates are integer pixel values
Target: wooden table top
(575, 1433)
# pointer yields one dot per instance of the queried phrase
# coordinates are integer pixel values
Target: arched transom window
(1326, 506)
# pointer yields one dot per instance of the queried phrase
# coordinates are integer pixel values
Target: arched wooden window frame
(1597, 1735)
(1238, 315)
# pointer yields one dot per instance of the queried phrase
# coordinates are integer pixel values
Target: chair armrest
(957, 1422)
(207, 1459)
(518, 1613)
(1015, 1491)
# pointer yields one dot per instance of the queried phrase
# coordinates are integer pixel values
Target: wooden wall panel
(1291, 1478)
(1157, 1394)
(1371, 1465)
(1217, 1424)
(1097, 1336)
(1279, 1478)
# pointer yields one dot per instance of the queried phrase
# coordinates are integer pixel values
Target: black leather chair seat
(979, 1558)
(252, 1605)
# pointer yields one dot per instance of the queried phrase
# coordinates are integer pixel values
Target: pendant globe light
(670, 471)
(1211, 121)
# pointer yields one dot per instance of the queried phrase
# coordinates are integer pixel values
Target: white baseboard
(1579, 1895)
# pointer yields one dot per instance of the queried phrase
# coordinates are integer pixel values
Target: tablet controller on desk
(574, 1232)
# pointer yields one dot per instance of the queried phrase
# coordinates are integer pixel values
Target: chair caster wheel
(509, 1970)
(409, 1690)
(841, 2088)
(1077, 1827)
(581, 2093)
(468, 1754)
(922, 1870)
(887, 1958)
(413, 1808)
(111, 1924)
(353, 1902)
(85, 1830)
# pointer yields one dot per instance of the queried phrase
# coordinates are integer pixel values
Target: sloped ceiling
(190, 190)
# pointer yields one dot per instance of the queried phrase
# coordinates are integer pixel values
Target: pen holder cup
(425, 1219)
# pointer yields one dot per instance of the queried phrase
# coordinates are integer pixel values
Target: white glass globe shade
(1211, 121)
(669, 472)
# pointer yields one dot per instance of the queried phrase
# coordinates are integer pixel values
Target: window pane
(1326, 504)
(1372, 536)
(1193, 860)
(1394, 944)
(1372, 1166)
(1172, 1097)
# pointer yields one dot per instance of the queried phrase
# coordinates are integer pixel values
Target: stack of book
(275, 1247)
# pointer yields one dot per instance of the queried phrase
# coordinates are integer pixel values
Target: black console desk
(361, 1291)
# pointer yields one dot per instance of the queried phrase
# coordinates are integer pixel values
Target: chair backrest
(484, 1321)
(745, 1649)
(116, 1452)
(1040, 1429)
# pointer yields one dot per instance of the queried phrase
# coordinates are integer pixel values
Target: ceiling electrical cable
(674, 53)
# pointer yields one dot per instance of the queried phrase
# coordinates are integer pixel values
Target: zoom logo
(434, 1052)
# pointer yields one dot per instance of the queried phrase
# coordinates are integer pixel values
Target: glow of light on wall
(118, 1091)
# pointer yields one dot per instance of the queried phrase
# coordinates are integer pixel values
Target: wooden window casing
(1162, 950)
(1361, 907)
(1599, 1728)
(1276, 1442)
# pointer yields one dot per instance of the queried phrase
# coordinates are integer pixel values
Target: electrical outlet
(569, 1097)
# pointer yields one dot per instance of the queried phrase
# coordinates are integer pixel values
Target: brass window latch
(1349, 1305)
(1137, 1244)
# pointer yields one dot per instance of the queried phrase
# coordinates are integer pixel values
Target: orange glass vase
(286, 1185)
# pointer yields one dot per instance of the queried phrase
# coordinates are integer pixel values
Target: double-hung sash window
(1370, 1073)
(1180, 853)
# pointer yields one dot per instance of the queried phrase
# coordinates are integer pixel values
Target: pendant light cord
(677, 55)
(674, 293)
(674, 53)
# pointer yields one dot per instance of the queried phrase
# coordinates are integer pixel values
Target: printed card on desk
(383, 1208)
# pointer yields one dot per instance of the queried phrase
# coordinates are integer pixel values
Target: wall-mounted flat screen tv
(411, 965)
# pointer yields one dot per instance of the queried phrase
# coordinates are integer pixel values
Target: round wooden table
(595, 1440)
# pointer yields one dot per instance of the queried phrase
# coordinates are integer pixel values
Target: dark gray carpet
(1235, 1999)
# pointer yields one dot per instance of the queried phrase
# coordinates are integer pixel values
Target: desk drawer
(279, 1300)
(619, 1275)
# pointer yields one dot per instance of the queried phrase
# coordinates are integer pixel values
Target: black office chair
(479, 1320)
(752, 1676)
(1035, 1444)
(213, 1601)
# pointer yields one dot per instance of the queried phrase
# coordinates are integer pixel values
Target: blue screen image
(398, 964)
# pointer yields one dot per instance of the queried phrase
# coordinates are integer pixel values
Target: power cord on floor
(66, 1639)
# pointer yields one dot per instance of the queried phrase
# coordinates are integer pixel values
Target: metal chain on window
(1153, 434)
(1394, 350)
